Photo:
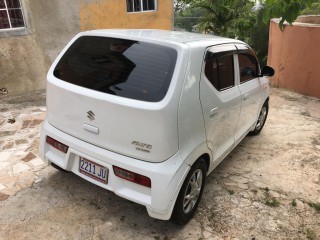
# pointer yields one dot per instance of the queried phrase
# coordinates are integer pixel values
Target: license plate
(93, 170)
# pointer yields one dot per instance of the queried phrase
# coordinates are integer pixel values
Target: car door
(250, 88)
(220, 99)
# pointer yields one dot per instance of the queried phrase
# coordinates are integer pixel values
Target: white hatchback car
(148, 114)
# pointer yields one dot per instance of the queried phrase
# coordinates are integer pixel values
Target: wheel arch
(206, 158)
(178, 214)
(267, 100)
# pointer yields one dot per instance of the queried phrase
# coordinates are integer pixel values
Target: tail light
(132, 177)
(58, 145)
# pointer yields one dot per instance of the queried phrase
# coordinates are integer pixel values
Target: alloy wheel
(192, 191)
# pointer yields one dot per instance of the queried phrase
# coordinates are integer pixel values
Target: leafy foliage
(228, 18)
(288, 10)
(314, 9)
(223, 15)
(259, 37)
(187, 18)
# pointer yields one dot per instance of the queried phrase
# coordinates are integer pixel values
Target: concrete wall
(54, 24)
(113, 14)
(295, 56)
(22, 66)
(26, 57)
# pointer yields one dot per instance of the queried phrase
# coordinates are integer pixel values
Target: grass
(270, 201)
(294, 203)
(310, 234)
(211, 216)
(316, 206)
(273, 202)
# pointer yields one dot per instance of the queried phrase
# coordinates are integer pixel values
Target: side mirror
(267, 71)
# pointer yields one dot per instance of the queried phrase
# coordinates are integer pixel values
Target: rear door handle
(213, 112)
(246, 96)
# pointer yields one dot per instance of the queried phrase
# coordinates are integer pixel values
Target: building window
(141, 5)
(11, 16)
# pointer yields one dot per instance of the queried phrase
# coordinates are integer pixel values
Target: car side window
(220, 72)
(248, 67)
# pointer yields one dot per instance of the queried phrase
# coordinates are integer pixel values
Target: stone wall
(295, 56)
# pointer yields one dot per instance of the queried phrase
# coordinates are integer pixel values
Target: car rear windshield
(126, 68)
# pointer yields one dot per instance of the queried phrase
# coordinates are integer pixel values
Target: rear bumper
(166, 177)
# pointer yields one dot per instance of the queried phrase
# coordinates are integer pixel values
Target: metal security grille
(141, 5)
(11, 15)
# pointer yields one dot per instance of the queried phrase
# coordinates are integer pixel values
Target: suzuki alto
(148, 114)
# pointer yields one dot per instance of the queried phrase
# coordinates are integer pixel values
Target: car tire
(261, 119)
(190, 193)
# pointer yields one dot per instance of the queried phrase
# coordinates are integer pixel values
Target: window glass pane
(129, 5)
(220, 72)
(4, 21)
(137, 5)
(226, 72)
(148, 5)
(16, 18)
(2, 5)
(13, 4)
(211, 72)
(248, 67)
(119, 67)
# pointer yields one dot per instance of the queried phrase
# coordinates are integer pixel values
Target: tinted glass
(148, 5)
(129, 6)
(125, 68)
(226, 72)
(248, 67)
(220, 72)
(211, 71)
(13, 3)
(2, 5)
(4, 22)
(133, 5)
(16, 18)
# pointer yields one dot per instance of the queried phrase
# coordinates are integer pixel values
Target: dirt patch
(37, 98)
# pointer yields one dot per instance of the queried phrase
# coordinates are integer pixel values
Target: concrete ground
(267, 188)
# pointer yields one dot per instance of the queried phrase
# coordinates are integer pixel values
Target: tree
(186, 16)
(287, 10)
(314, 9)
(221, 15)
(259, 36)
(229, 18)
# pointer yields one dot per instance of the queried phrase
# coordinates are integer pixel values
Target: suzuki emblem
(90, 115)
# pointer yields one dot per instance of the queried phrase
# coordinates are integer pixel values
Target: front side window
(121, 67)
(141, 5)
(248, 67)
(220, 72)
(11, 16)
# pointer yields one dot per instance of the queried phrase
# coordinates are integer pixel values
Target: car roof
(161, 35)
